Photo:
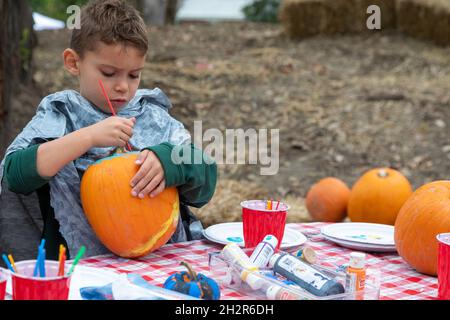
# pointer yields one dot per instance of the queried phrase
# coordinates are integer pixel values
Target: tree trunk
(157, 12)
(17, 40)
(171, 11)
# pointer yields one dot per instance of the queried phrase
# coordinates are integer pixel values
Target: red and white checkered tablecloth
(398, 280)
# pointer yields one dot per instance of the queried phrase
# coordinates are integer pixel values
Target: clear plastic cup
(258, 221)
(444, 266)
(50, 287)
(3, 281)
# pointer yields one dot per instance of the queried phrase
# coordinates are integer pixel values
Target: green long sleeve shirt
(195, 183)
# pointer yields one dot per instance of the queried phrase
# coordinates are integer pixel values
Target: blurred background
(345, 98)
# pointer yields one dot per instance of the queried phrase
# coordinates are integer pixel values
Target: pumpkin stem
(120, 150)
(382, 173)
(192, 273)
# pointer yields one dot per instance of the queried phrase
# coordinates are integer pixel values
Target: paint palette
(232, 232)
(361, 236)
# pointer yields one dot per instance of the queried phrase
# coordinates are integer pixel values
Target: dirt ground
(343, 104)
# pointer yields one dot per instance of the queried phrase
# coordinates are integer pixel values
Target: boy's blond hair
(109, 21)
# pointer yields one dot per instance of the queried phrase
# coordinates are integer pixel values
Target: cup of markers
(40, 279)
(263, 217)
(25, 286)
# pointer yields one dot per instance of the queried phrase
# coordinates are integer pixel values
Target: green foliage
(54, 8)
(262, 10)
(24, 50)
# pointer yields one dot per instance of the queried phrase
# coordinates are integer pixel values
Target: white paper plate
(225, 233)
(362, 233)
(82, 276)
(362, 246)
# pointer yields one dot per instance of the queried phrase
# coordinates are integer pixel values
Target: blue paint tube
(306, 276)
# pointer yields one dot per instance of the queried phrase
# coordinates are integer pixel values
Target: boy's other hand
(111, 132)
(149, 180)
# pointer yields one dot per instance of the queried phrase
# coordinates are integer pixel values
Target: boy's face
(117, 66)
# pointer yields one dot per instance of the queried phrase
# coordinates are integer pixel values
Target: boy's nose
(121, 87)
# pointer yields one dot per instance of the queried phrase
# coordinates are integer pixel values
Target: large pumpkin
(128, 226)
(423, 216)
(378, 195)
(327, 200)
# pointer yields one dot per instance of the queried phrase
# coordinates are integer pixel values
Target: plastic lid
(272, 291)
(308, 254)
(357, 260)
(274, 259)
(271, 239)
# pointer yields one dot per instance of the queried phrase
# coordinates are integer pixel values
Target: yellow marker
(12, 262)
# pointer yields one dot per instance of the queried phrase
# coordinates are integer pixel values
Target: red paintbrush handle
(110, 105)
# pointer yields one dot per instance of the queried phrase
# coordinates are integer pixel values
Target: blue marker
(36, 267)
(42, 264)
(8, 264)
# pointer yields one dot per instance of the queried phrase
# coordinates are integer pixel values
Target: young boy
(72, 130)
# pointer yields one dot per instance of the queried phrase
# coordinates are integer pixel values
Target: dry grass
(343, 104)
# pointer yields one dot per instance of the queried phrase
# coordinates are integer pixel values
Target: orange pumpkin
(378, 195)
(423, 216)
(128, 226)
(327, 200)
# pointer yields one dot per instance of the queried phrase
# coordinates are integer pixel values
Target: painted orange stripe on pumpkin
(146, 247)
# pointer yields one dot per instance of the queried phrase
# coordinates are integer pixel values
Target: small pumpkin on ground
(423, 216)
(378, 195)
(193, 284)
(327, 200)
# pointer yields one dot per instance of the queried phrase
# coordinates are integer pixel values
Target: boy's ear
(71, 60)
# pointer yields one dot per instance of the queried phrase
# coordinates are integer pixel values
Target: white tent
(212, 10)
(42, 22)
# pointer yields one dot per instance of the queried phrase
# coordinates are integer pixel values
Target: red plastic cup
(258, 221)
(27, 287)
(3, 280)
(444, 266)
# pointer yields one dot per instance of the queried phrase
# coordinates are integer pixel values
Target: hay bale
(425, 19)
(303, 18)
(298, 212)
(225, 204)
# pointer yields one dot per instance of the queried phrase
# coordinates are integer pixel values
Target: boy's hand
(113, 131)
(149, 180)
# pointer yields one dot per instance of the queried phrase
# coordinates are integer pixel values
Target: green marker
(77, 258)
